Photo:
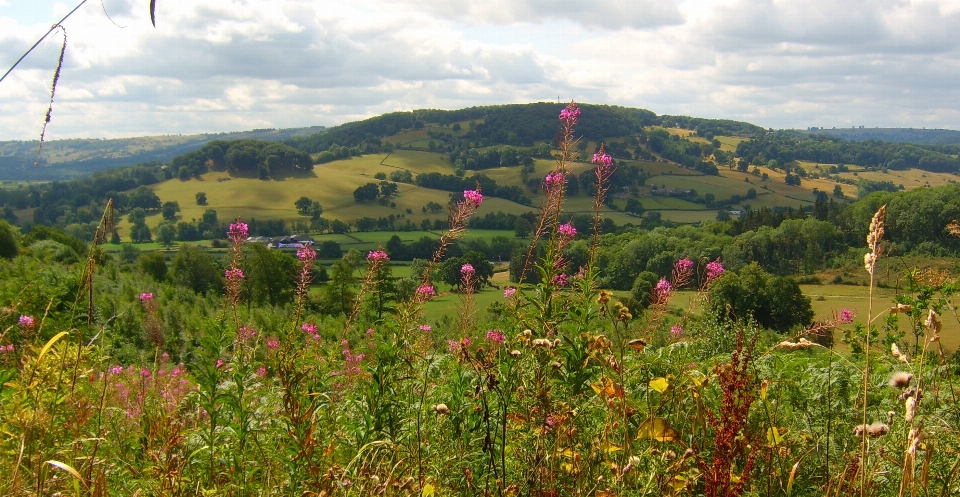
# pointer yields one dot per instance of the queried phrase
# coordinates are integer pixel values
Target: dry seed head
(890, 415)
(869, 261)
(875, 429)
(901, 308)
(953, 227)
(514, 353)
(876, 227)
(900, 356)
(900, 379)
(441, 409)
(932, 321)
(910, 392)
(911, 409)
(801, 344)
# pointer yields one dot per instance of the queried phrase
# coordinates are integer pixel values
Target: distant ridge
(74, 158)
(897, 135)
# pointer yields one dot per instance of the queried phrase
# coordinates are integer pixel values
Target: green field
(332, 185)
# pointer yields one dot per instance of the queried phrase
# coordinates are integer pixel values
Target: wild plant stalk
(554, 184)
(874, 236)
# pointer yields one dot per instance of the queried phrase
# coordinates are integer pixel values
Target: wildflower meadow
(566, 392)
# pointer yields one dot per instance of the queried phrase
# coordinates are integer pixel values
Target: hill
(920, 136)
(69, 159)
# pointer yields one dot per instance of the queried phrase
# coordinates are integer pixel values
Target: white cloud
(220, 65)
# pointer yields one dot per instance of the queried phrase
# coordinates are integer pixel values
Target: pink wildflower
(309, 328)
(306, 254)
(846, 316)
(246, 333)
(552, 419)
(425, 327)
(146, 297)
(273, 343)
(509, 292)
(714, 270)
(220, 363)
(426, 291)
(676, 330)
(116, 370)
(238, 231)
(262, 372)
(26, 321)
(561, 280)
(496, 336)
(145, 372)
(570, 114)
(377, 255)
(553, 180)
(234, 274)
(683, 265)
(467, 270)
(602, 159)
(663, 288)
(473, 197)
(567, 230)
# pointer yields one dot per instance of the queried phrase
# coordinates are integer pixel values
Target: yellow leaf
(568, 453)
(763, 390)
(613, 448)
(774, 436)
(696, 377)
(678, 483)
(66, 467)
(49, 344)
(428, 490)
(659, 384)
(657, 429)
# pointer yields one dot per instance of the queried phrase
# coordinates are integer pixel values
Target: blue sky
(226, 65)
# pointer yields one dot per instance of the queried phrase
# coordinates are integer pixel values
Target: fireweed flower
(714, 270)
(676, 330)
(377, 255)
(663, 289)
(146, 297)
(602, 159)
(309, 328)
(26, 321)
(496, 336)
(425, 327)
(845, 316)
(467, 270)
(683, 266)
(306, 254)
(234, 274)
(561, 280)
(553, 180)
(426, 291)
(473, 197)
(246, 333)
(567, 230)
(509, 292)
(273, 343)
(238, 231)
(570, 114)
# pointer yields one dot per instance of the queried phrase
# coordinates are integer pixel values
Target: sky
(232, 65)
